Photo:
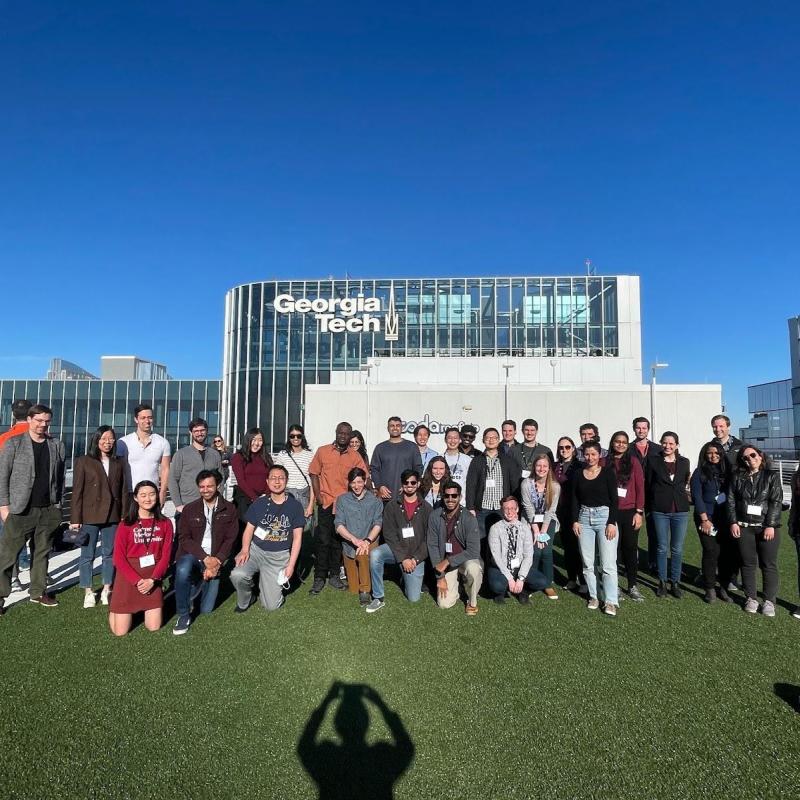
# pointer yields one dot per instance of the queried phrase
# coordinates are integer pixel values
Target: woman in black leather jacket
(794, 528)
(754, 508)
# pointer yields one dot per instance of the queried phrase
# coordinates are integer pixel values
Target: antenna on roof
(590, 269)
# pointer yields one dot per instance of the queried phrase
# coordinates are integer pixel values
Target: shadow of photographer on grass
(353, 768)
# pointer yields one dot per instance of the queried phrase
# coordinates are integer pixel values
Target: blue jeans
(412, 581)
(535, 581)
(593, 538)
(671, 533)
(543, 559)
(189, 582)
(106, 534)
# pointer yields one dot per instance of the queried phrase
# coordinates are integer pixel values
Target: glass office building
(283, 335)
(80, 406)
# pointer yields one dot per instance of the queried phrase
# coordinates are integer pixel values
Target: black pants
(720, 553)
(629, 543)
(756, 551)
(572, 552)
(327, 545)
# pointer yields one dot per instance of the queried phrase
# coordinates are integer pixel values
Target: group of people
(484, 521)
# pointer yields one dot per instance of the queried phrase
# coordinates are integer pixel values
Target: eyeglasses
(217, 441)
(565, 447)
(410, 483)
(467, 435)
(295, 435)
(751, 456)
(450, 496)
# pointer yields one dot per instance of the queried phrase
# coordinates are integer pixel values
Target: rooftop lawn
(672, 699)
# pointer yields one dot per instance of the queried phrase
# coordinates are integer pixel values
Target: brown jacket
(97, 499)
(192, 526)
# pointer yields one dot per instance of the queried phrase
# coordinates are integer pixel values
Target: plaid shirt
(492, 495)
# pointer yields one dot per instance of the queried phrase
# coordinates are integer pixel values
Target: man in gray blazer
(31, 485)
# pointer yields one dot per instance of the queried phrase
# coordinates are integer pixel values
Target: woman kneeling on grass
(142, 549)
(540, 496)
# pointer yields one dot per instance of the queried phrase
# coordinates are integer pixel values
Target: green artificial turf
(672, 699)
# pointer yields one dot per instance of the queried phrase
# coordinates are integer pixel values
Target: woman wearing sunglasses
(564, 471)
(296, 457)
(754, 509)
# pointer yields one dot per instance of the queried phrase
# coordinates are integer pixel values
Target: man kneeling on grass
(270, 544)
(405, 533)
(207, 529)
(454, 547)
(511, 546)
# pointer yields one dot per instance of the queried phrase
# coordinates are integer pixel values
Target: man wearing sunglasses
(467, 446)
(405, 531)
(454, 547)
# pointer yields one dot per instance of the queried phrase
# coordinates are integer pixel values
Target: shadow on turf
(352, 769)
(790, 694)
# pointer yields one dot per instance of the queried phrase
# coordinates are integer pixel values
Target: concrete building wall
(559, 410)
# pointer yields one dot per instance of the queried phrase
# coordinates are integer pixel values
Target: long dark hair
(624, 464)
(245, 451)
(743, 465)
(427, 478)
(362, 451)
(574, 449)
(132, 517)
(713, 472)
(94, 444)
(303, 443)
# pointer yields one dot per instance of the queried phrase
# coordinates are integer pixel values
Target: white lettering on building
(335, 314)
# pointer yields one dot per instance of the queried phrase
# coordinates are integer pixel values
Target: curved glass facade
(283, 335)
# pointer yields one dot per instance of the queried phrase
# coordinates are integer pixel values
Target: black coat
(663, 490)
(762, 489)
(476, 479)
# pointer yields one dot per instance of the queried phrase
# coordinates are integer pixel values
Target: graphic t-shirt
(274, 522)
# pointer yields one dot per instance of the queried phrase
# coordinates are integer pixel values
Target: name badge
(515, 562)
(622, 492)
(720, 498)
(260, 533)
(538, 518)
(408, 533)
(147, 561)
(526, 473)
(754, 511)
(491, 483)
(448, 548)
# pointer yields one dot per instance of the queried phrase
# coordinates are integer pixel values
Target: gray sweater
(187, 463)
(388, 462)
(17, 472)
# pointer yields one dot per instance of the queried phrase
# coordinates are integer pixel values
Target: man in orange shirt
(328, 472)
(19, 413)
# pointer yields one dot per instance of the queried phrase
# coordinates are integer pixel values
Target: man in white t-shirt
(147, 452)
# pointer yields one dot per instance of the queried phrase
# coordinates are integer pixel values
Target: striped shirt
(297, 466)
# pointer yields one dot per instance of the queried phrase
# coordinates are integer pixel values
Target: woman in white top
(436, 475)
(540, 495)
(296, 457)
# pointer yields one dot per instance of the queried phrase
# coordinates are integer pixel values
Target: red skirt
(127, 599)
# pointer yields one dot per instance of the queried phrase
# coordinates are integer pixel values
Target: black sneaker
(675, 591)
(336, 583)
(710, 596)
(364, 598)
(724, 596)
(499, 599)
(46, 600)
(524, 597)
(239, 609)
(662, 589)
(317, 586)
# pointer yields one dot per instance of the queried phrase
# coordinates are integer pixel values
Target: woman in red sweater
(142, 550)
(630, 507)
(251, 467)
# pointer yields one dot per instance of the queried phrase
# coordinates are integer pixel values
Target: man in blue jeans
(207, 529)
(405, 532)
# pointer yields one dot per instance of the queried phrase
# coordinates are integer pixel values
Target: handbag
(78, 537)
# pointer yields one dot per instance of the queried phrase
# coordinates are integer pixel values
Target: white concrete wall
(686, 409)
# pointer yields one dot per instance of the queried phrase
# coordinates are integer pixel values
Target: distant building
(775, 407)
(131, 368)
(63, 370)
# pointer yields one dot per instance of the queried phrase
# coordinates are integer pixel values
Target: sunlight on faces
(510, 511)
(207, 488)
(106, 443)
(146, 498)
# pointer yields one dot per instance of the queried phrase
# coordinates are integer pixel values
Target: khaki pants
(472, 573)
(357, 571)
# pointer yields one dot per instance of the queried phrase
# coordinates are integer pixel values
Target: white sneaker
(593, 604)
(751, 606)
(610, 609)
(768, 609)
(104, 595)
(89, 600)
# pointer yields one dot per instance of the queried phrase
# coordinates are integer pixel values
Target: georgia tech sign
(339, 314)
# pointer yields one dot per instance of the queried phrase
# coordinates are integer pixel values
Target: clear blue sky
(154, 155)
